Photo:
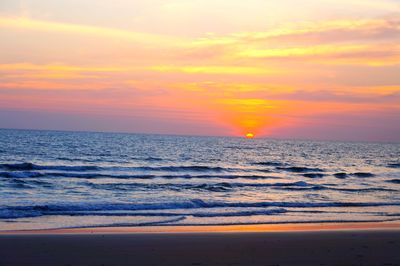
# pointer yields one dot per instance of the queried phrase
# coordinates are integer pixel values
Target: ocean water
(51, 179)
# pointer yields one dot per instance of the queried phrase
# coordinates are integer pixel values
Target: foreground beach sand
(102, 246)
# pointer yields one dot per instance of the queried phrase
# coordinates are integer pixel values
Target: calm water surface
(51, 179)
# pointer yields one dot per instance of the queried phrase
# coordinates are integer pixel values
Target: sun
(249, 135)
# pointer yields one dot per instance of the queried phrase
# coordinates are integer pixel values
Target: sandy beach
(200, 133)
(127, 246)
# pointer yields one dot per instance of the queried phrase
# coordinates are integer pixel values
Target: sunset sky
(313, 69)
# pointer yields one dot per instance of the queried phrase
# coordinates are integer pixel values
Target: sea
(55, 179)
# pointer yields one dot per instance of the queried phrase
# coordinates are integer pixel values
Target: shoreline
(368, 247)
(367, 244)
(255, 228)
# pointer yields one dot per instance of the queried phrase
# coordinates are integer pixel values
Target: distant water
(54, 179)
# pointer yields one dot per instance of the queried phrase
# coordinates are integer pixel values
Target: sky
(302, 69)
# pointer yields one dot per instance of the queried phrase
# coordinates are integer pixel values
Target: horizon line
(205, 136)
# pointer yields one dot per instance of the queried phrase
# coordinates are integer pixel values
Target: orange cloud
(256, 82)
(50, 26)
(361, 26)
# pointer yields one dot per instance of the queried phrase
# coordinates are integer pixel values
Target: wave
(26, 170)
(364, 189)
(239, 147)
(153, 223)
(190, 168)
(357, 174)
(77, 168)
(23, 174)
(340, 175)
(216, 187)
(363, 174)
(31, 166)
(394, 181)
(150, 159)
(173, 214)
(393, 165)
(298, 169)
(314, 175)
(12, 212)
(234, 176)
(208, 187)
(86, 160)
(194, 168)
(18, 166)
(268, 163)
(95, 175)
(240, 213)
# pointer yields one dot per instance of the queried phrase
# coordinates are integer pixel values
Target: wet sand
(326, 247)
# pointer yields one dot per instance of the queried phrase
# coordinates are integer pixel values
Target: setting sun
(257, 120)
(249, 135)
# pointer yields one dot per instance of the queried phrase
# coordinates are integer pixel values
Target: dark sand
(355, 247)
